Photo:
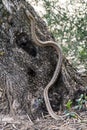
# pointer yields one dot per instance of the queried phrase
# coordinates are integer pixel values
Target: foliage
(70, 114)
(1, 53)
(81, 105)
(81, 102)
(69, 104)
(68, 25)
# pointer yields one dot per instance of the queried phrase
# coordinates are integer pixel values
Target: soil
(8, 122)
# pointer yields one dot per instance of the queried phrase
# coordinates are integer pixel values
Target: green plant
(67, 112)
(81, 102)
(71, 114)
(69, 104)
(1, 53)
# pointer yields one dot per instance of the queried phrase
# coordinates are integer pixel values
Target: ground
(45, 123)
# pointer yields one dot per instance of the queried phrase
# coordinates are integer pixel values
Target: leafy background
(67, 21)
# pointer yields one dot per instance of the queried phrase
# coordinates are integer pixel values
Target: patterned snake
(58, 67)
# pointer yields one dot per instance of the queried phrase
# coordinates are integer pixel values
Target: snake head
(29, 15)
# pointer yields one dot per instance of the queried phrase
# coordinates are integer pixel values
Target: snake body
(58, 67)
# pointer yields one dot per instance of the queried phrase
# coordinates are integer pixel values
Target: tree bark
(25, 69)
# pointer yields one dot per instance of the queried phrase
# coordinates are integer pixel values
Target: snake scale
(58, 66)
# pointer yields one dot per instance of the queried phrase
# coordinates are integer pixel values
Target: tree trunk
(25, 68)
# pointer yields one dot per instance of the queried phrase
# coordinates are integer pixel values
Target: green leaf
(69, 104)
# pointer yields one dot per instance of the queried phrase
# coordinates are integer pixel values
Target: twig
(30, 119)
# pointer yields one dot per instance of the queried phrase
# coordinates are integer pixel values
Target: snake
(58, 66)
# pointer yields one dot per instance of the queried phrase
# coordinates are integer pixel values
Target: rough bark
(25, 69)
